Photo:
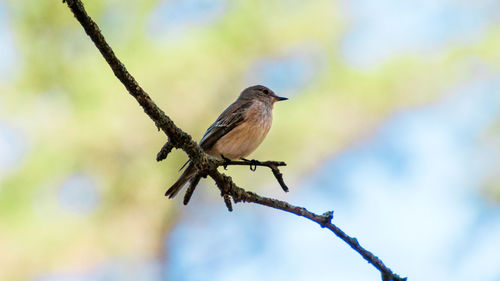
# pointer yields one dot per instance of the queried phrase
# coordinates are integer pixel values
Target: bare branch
(179, 138)
(206, 164)
(324, 220)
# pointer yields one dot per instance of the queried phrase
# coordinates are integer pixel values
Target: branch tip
(279, 177)
(164, 151)
(227, 201)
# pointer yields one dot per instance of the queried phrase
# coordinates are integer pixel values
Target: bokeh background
(393, 122)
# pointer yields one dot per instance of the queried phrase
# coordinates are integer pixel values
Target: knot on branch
(326, 218)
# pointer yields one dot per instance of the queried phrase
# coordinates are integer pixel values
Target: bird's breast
(247, 136)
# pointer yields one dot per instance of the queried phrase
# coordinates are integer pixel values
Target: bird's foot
(226, 161)
(253, 163)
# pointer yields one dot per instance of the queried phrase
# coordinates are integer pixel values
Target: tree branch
(206, 164)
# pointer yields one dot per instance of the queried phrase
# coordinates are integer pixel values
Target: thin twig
(252, 163)
(279, 176)
(273, 165)
(204, 163)
(165, 150)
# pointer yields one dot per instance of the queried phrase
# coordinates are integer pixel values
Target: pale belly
(242, 140)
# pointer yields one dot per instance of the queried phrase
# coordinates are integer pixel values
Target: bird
(237, 132)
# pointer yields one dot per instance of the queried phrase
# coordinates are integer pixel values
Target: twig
(204, 163)
(273, 165)
(165, 150)
(252, 163)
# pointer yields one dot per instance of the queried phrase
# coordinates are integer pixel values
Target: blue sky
(383, 29)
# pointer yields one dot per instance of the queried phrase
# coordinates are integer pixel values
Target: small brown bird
(238, 131)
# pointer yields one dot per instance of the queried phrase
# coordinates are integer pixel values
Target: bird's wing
(228, 120)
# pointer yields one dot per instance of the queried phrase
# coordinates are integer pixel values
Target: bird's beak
(281, 98)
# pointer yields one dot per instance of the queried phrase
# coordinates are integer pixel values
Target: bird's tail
(183, 179)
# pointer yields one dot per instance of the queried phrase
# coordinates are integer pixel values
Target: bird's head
(262, 94)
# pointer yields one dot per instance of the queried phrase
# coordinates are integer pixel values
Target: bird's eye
(266, 92)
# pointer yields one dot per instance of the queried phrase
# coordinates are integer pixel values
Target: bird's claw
(226, 161)
(253, 164)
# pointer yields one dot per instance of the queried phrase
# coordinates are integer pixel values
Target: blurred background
(393, 122)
